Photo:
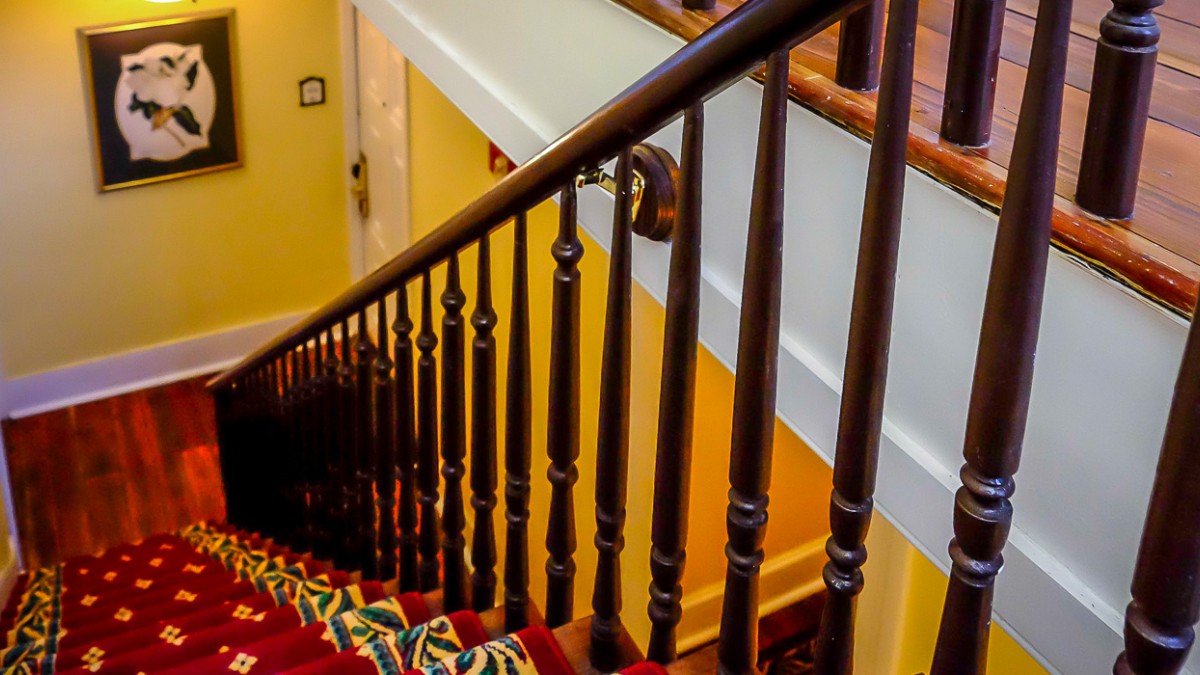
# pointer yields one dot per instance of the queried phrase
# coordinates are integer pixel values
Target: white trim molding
(140, 369)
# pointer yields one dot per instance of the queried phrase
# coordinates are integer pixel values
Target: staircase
(345, 443)
(213, 599)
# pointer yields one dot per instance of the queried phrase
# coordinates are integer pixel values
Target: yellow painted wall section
(86, 275)
(900, 608)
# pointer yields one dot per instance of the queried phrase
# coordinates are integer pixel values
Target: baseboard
(149, 367)
(784, 579)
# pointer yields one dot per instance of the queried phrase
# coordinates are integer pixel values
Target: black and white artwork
(163, 99)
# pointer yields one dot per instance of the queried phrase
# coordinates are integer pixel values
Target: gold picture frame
(163, 98)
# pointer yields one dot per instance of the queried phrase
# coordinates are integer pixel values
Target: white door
(383, 140)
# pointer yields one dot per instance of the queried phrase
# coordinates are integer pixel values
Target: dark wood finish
(307, 450)
(483, 435)
(860, 38)
(331, 488)
(612, 443)
(655, 217)
(755, 386)
(385, 448)
(95, 475)
(1123, 78)
(699, 4)
(428, 544)
(697, 71)
(971, 72)
(518, 429)
(364, 448)
(1153, 253)
(677, 399)
(574, 639)
(406, 443)
(865, 378)
(562, 437)
(347, 457)
(454, 442)
(1004, 363)
(1166, 594)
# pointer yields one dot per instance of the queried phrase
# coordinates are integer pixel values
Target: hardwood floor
(1157, 252)
(90, 476)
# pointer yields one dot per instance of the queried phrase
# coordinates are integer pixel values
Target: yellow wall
(899, 611)
(85, 275)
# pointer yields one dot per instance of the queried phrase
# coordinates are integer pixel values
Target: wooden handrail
(698, 71)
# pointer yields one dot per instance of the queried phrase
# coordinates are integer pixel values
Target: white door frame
(348, 31)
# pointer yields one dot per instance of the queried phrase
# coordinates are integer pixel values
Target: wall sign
(163, 98)
(312, 91)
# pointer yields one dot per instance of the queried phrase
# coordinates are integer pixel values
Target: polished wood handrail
(698, 71)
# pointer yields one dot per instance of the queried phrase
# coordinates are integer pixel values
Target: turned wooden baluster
(364, 354)
(754, 389)
(860, 39)
(612, 444)
(331, 485)
(406, 451)
(971, 70)
(1166, 592)
(861, 418)
(385, 448)
(518, 413)
(347, 455)
(427, 442)
(289, 526)
(677, 399)
(1004, 363)
(562, 436)
(454, 442)
(307, 448)
(483, 436)
(1122, 80)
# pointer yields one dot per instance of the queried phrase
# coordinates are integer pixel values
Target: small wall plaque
(312, 91)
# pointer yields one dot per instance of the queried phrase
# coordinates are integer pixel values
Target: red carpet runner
(211, 599)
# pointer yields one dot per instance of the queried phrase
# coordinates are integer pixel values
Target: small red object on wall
(499, 162)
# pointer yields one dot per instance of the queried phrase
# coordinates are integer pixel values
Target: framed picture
(163, 98)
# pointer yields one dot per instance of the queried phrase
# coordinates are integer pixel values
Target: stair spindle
(385, 448)
(755, 384)
(290, 527)
(347, 431)
(454, 442)
(971, 70)
(612, 444)
(860, 38)
(364, 358)
(1119, 108)
(331, 483)
(562, 442)
(1159, 622)
(406, 450)
(1004, 363)
(865, 378)
(427, 442)
(306, 449)
(518, 415)
(483, 436)
(677, 399)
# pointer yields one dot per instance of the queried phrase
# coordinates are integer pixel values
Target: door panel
(383, 139)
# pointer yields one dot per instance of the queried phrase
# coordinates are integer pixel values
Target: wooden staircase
(349, 435)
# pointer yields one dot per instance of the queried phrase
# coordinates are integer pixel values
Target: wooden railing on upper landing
(332, 436)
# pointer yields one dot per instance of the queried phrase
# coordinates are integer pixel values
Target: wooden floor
(1157, 252)
(102, 473)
